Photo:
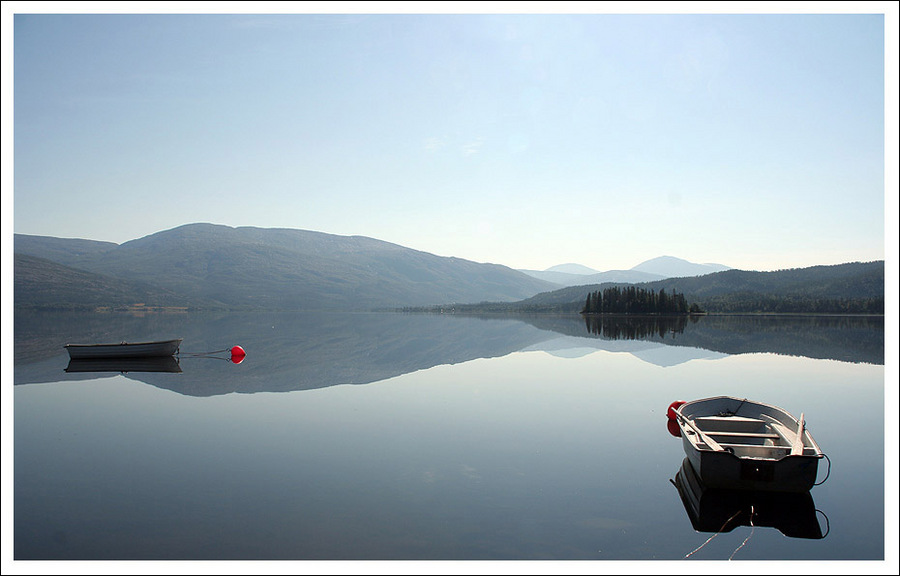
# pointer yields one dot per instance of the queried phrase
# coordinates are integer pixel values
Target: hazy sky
(755, 141)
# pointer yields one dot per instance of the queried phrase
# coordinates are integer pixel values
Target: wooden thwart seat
(758, 451)
(743, 434)
(723, 424)
(729, 419)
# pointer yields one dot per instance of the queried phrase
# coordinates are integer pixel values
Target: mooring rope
(204, 354)
(827, 474)
(725, 413)
(747, 539)
(708, 540)
(722, 529)
(236, 354)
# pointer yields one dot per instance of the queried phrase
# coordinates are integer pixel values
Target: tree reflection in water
(632, 327)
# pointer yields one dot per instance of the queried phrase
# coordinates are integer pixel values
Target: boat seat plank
(752, 451)
(728, 419)
(743, 434)
(777, 446)
(755, 447)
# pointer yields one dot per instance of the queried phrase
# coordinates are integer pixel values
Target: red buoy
(673, 407)
(237, 354)
(673, 428)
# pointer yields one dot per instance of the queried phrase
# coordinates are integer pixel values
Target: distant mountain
(556, 277)
(250, 267)
(671, 267)
(564, 274)
(655, 269)
(621, 277)
(569, 279)
(572, 269)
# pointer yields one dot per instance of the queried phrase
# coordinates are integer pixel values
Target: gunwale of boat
(714, 424)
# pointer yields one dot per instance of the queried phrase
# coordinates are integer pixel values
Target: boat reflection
(720, 510)
(149, 364)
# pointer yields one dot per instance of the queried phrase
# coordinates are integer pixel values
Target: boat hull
(737, 444)
(124, 350)
(727, 471)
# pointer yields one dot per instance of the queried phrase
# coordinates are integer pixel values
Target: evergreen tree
(634, 300)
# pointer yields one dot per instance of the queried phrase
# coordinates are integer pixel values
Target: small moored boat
(738, 444)
(124, 349)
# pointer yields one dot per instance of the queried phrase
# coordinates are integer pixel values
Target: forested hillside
(853, 288)
(50, 286)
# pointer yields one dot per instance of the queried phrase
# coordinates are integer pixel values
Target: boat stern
(725, 470)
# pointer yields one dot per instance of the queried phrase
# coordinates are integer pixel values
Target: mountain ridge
(207, 266)
(853, 288)
(250, 267)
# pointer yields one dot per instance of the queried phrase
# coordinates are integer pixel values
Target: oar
(797, 444)
(709, 441)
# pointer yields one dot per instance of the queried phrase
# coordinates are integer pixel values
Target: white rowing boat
(738, 444)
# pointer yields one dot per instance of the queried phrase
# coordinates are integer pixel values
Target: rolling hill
(247, 267)
(44, 284)
(856, 287)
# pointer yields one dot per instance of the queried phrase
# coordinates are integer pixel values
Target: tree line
(791, 304)
(634, 300)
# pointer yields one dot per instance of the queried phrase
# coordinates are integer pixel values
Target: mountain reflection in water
(308, 350)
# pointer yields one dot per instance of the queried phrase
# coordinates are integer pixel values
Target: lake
(388, 436)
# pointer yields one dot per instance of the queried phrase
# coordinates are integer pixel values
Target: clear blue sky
(755, 141)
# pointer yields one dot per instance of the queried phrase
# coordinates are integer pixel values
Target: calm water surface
(417, 437)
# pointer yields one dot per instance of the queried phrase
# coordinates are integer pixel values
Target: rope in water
(721, 530)
(747, 539)
(235, 354)
(202, 354)
(708, 540)
(827, 474)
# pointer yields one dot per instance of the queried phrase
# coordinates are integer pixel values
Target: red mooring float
(673, 428)
(670, 413)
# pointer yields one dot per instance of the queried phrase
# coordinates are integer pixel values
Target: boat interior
(763, 437)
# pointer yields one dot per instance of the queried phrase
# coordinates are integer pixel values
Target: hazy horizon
(752, 140)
